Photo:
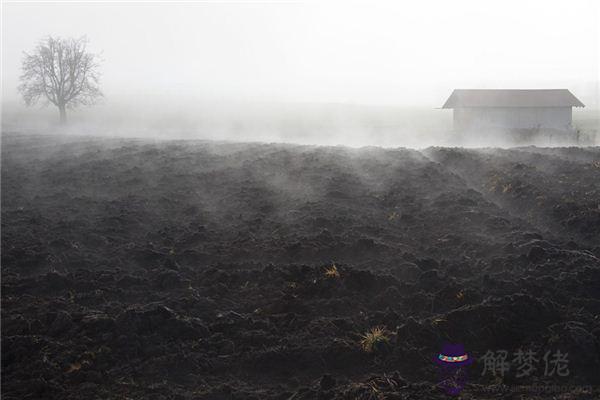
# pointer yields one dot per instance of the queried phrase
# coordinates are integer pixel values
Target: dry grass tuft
(375, 339)
(332, 272)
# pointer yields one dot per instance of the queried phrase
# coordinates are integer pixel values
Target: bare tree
(61, 72)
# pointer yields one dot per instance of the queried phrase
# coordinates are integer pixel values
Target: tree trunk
(63, 114)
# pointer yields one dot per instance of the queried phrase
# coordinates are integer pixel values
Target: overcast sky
(399, 53)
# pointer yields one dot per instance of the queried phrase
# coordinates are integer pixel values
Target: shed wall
(559, 118)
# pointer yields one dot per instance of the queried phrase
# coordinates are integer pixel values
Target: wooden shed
(512, 109)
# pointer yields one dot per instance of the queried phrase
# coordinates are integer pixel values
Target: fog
(353, 73)
(294, 200)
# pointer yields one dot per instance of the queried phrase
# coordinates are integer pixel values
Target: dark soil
(134, 269)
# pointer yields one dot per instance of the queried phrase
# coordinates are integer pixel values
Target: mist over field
(353, 125)
(325, 124)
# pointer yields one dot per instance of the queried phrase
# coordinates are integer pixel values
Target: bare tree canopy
(61, 72)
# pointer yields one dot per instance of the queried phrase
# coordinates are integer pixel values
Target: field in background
(322, 124)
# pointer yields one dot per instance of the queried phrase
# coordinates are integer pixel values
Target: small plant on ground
(332, 272)
(375, 339)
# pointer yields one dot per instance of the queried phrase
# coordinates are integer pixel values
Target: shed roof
(512, 98)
